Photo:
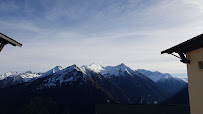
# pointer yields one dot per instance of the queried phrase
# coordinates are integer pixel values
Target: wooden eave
(187, 46)
(7, 40)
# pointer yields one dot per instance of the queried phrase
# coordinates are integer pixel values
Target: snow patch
(155, 76)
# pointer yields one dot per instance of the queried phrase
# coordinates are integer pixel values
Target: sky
(107, 32)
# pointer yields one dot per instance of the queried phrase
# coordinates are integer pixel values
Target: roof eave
(9, 40)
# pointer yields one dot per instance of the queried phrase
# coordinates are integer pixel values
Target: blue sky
(108, 32)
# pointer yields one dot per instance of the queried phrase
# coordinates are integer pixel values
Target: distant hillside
(181, 97)
(170, 84)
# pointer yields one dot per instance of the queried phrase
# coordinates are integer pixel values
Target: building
(191, 53)
(6, 40)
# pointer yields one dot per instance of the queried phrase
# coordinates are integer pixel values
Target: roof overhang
(187, 46)
(7, 40)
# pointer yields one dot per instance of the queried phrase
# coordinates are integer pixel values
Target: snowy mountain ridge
(7, 74)
(53, 70)
(155, 76)
(184, 79)
(27, 76)
(107, 72)
(120, 77)
(171, 79)
(111, 81)
(172, 84)
(111, 70)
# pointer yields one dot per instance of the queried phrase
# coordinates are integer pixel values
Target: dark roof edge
(10, 40)
(183, 47)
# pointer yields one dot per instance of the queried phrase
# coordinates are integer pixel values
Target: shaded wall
(195, 81)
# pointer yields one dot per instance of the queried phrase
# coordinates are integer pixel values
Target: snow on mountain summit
(113, 70)
(123, 67)
(170, 78)
(116, 70)
(155, 76)
(95, 67)
(72, 67)
(172, 84)
(53, 70)
(7, 74)
(69, 74)
(110, 71)
(72, 73)
(56, 69)
(119, 77)
(165, 81)
(28, 76)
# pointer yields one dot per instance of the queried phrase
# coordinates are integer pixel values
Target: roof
(4, 38)
(187, 46)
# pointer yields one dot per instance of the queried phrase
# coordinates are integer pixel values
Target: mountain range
(90, 84)
(164, 80)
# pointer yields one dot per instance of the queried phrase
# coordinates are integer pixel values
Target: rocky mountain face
(138, 87)
(181, 97)
(52, 71)
(155, 76)
(170, 84)
(86, 85)
(5, 75)
(15, 78)
(118, 83)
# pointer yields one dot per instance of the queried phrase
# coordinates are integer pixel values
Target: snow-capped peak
(115, 70)
(123, 67)
(70, 68)
(28, 76)
(95, 67)
(122, 64)
(53, 70)
(8, 74)
(155, 76)
(57, 68)
(69, 74)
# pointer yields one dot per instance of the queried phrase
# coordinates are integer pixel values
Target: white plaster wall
(195, 81)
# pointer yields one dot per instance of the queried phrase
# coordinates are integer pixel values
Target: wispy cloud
(107, 32)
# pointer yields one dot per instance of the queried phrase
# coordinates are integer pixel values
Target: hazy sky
(108, 32)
